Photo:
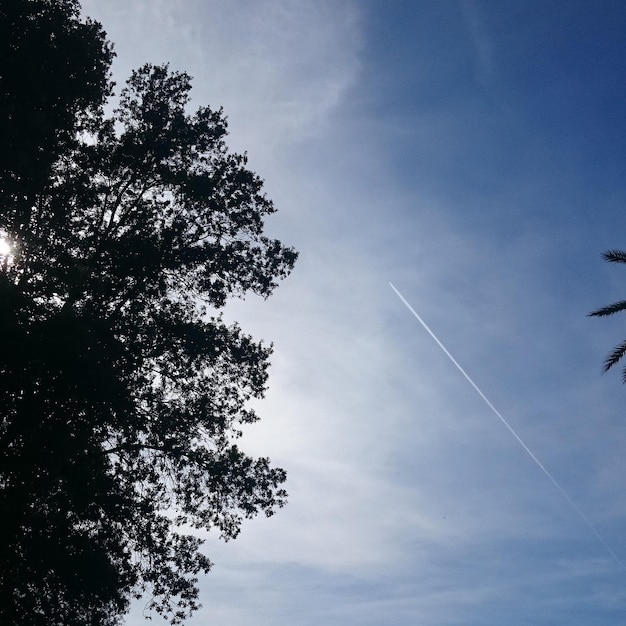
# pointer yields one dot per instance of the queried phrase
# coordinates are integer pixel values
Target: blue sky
(471, 153)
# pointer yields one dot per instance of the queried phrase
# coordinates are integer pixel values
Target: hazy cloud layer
(419, 146)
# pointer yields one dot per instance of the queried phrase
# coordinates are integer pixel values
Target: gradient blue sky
(473, 153)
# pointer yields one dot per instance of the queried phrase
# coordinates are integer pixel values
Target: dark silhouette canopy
(122, 389)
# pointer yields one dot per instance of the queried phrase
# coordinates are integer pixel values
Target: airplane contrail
(509, 427)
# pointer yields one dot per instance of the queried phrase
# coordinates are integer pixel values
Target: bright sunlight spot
(6, 250)
(5, 246)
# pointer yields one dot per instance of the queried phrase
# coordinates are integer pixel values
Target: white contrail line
(517, 437)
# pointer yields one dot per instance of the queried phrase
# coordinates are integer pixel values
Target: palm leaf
(616, 307)
(615, 256)
(614, 357)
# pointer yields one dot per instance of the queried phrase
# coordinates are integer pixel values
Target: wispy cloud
(481, 41)
(278, 68)
(409, 502)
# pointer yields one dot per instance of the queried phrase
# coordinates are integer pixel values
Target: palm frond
(614, 357)
(610, 309)
(615, 256)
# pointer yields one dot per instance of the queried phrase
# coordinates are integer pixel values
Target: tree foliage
(122, 389)
(613, 256)
(53, 81)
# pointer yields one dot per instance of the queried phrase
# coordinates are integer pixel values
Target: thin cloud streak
(512, 431)
(483, 45)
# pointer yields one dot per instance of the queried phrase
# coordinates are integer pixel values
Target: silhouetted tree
(53, 81)
(614, 256)
(122, 390)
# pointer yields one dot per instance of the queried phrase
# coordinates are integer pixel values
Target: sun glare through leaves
(6, 249)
